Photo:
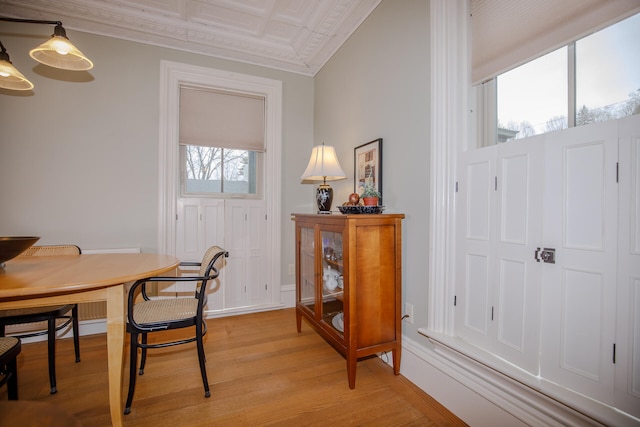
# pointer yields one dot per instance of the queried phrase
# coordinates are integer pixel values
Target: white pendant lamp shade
(323, 165)
(11, 78)
(58, 52)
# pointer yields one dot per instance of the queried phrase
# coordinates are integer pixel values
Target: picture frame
(367, 166)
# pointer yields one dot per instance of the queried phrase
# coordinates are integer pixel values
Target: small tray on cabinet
(360, 209)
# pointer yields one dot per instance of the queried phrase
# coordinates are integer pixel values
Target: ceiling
(291, 35)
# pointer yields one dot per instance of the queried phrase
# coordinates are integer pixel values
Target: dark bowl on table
(11, 247)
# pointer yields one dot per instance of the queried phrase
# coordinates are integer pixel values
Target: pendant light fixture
(57, 52)
(10, 77)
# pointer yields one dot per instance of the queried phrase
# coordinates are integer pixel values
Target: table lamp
(323, 166)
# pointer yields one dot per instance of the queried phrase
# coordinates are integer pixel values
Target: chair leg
(51, 341)
(143, 358)
(12, 383)
(202, 359)
(76, 332)
(133, 362)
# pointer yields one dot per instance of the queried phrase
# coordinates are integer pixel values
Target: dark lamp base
(324, 197)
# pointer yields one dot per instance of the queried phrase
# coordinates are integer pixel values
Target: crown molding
(299, 37)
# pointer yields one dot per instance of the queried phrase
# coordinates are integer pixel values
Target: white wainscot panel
(635, 340)
(212, 225)
(584, 192)
(479, 200)
(477, 291)
(582, 323)
(515, 193)
(191, 213)
(635, 199)
(511, 317)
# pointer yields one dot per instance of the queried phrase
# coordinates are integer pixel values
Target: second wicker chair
(50, 314)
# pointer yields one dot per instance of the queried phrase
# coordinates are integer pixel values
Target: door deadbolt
(547, 255)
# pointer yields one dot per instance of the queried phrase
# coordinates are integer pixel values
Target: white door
(200, 225)
(240, 226)
(518, 227)
(247, 278)
(476, 249)
(579, 290)
(627, 380)
(500, 201)
(561, 191)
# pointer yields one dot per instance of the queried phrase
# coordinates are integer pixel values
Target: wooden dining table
(70, 279)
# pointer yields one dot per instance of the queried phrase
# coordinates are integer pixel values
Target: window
(532, 98)
(538, 97)
(608, 73)
(222, 140)
(219, 171)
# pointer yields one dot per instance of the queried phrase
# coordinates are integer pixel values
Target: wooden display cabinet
(349, 282)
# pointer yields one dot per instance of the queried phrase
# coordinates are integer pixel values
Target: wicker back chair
(150, 314)
(9, 350)
(50, 314)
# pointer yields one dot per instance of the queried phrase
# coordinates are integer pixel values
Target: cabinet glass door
(332, 279)
(307, 290)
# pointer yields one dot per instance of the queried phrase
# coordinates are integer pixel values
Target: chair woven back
(51, 250)
(208, 257)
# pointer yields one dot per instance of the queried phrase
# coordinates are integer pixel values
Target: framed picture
(367, 167)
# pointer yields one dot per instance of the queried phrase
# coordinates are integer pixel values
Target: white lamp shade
(11, 78)
(58, 52)
(323, 165)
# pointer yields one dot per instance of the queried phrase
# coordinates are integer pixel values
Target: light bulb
(61, 46)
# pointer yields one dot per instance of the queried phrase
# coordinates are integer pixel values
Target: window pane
(203, 169)
(236, 171)
(214, 170)
(608, 73)
(532, 99)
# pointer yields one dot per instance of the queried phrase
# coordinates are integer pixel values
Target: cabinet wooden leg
(351, 372)
(299, 321)
(396, 360)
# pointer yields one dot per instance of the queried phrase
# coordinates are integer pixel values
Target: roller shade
(508, 33)
(221, 119)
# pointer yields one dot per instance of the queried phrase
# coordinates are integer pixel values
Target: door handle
(547, 255)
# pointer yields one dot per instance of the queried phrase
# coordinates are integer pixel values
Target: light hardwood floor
(261, 372)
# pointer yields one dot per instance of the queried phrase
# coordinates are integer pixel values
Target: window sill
(492, 376)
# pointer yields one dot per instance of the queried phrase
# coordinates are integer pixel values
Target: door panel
(518, 223)
(574, 323)
(475, 202)
(628, 323)
(246, 241)
(187, 230)
(578, 327)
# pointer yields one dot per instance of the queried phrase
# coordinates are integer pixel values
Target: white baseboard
(481, 396)
(288, 295)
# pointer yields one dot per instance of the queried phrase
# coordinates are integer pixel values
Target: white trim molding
(448, 84)
(172, 76)
(478, 387)
(483, 396)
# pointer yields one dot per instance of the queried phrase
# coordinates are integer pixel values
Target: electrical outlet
(408, 312)
(292, 269)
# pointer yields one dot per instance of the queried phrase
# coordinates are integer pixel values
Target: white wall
(377, 86)
(79, 160)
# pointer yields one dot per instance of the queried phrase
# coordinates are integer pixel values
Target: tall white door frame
(172, 76)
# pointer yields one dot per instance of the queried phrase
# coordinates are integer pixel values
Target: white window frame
(172, 76)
